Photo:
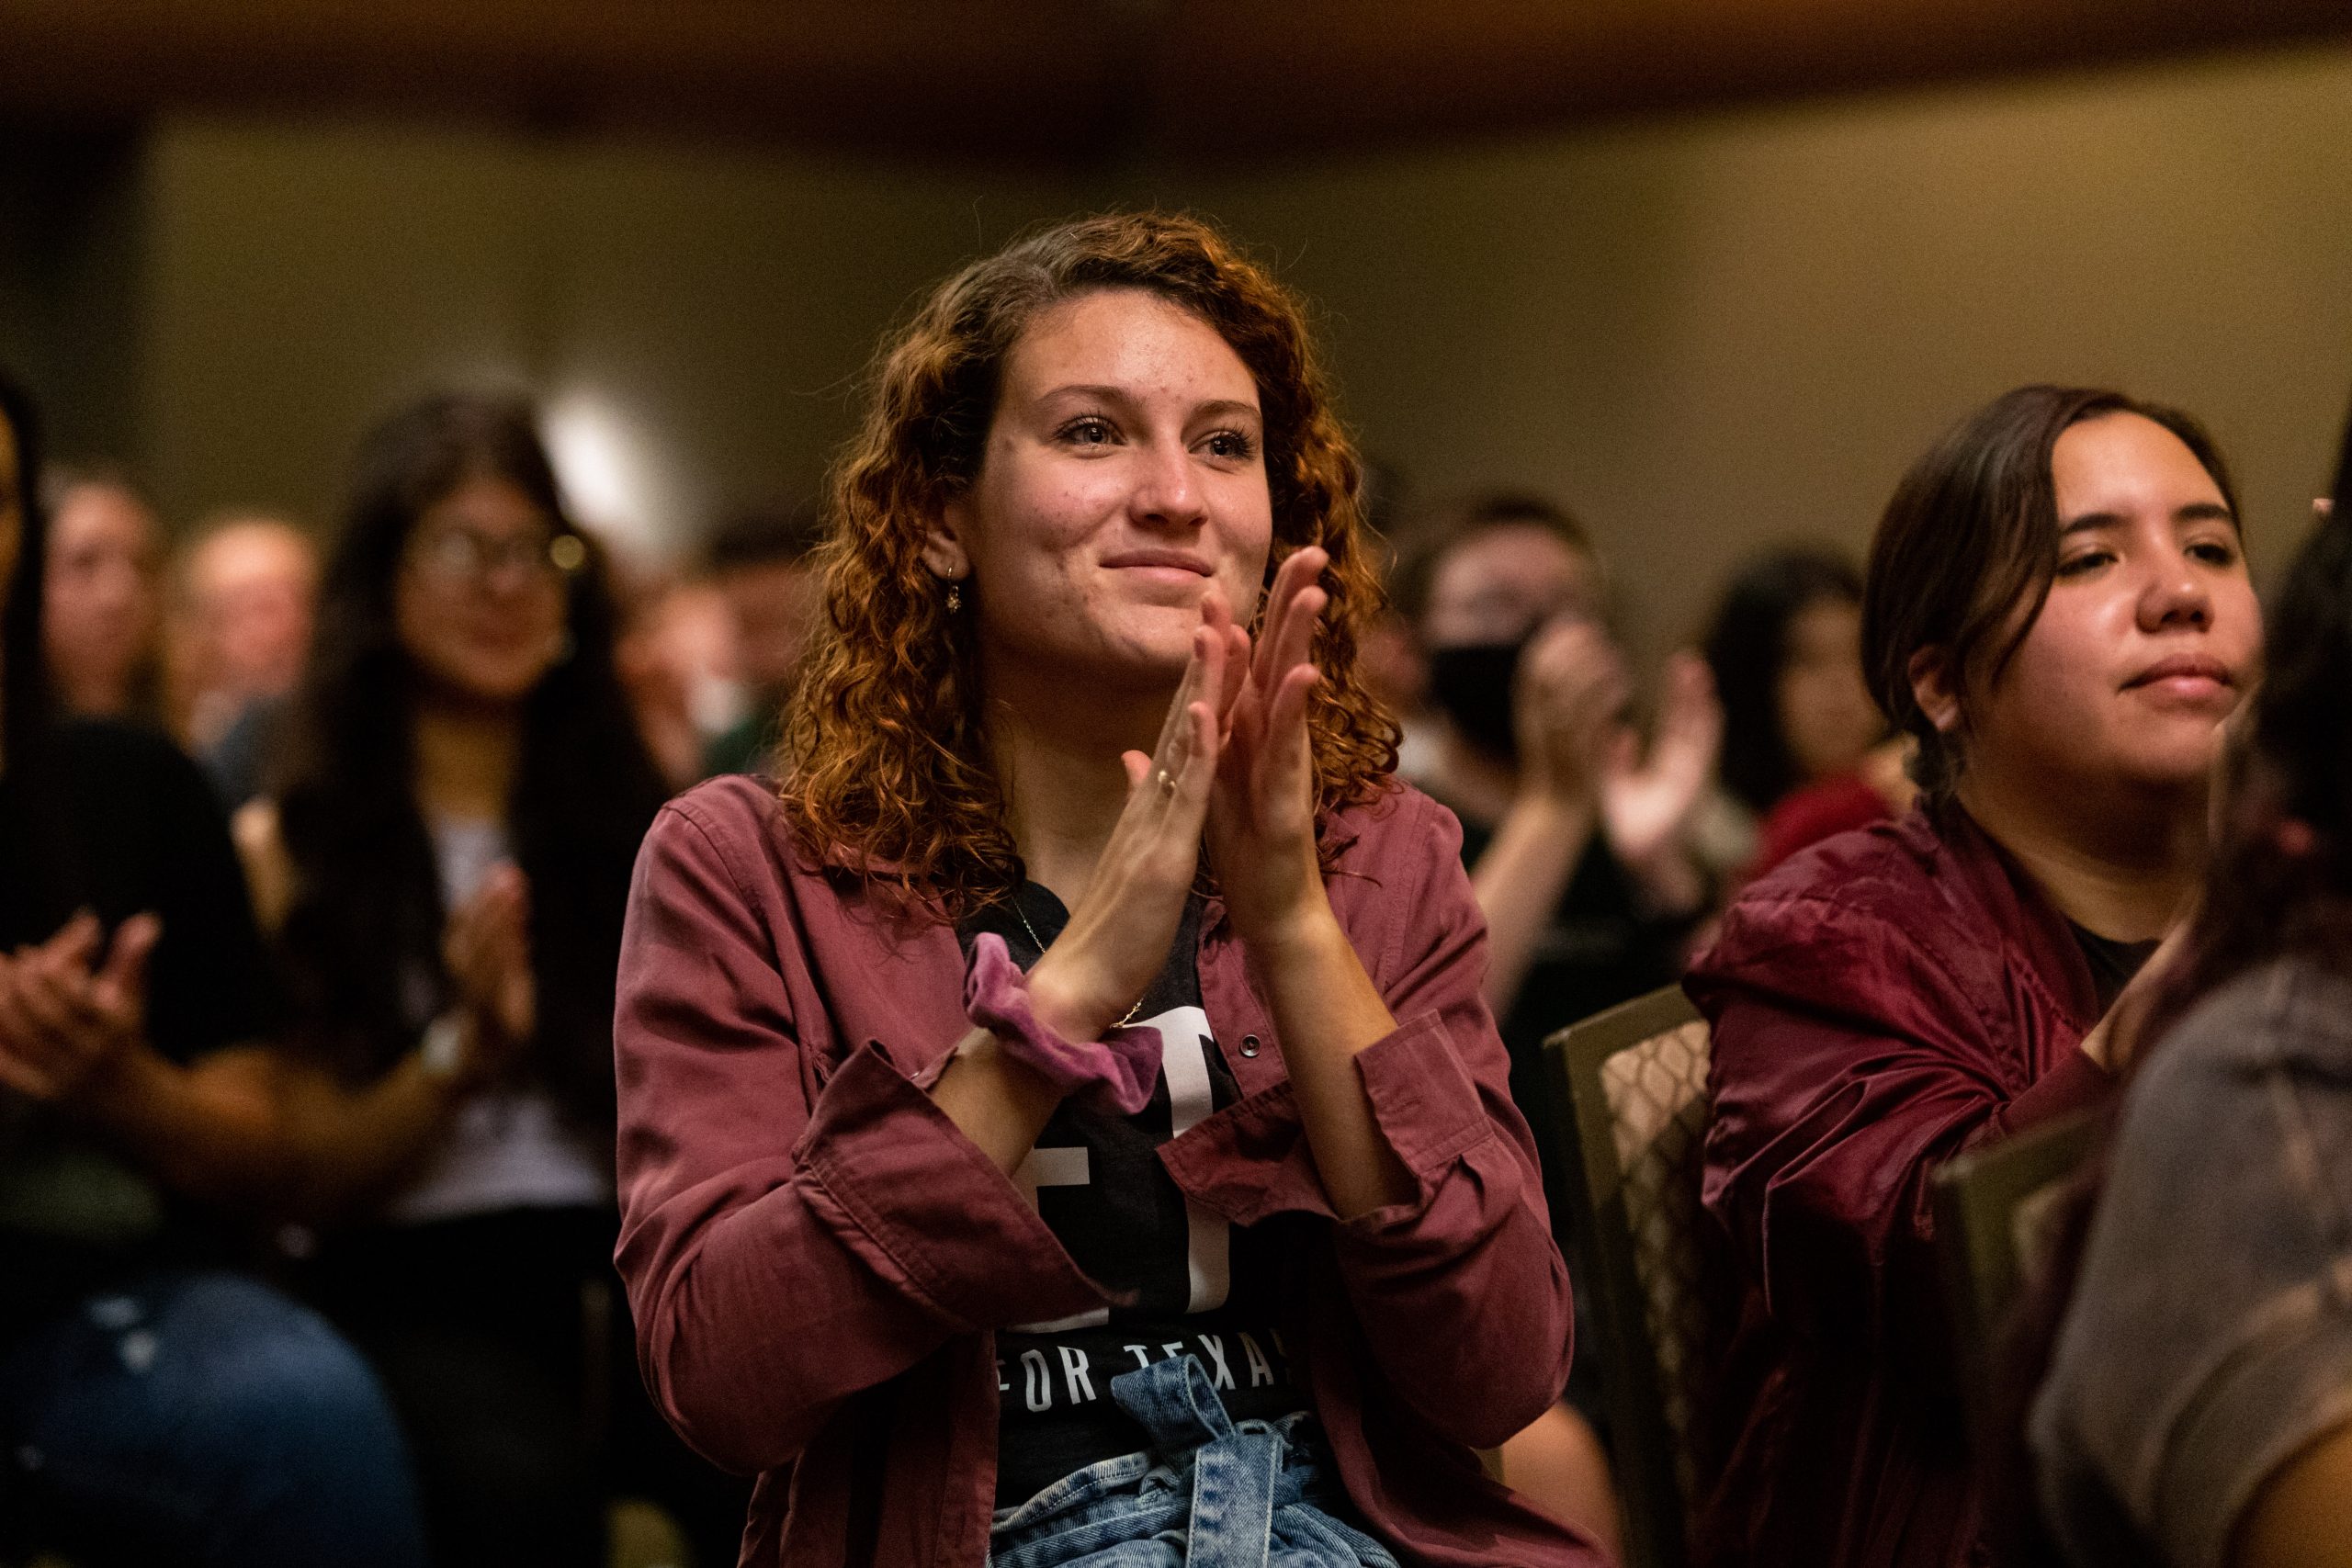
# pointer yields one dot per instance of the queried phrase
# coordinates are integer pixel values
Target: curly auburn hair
(890, 774)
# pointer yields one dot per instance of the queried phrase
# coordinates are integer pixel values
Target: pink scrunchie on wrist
(1117, 1073)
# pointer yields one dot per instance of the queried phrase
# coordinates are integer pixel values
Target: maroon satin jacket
(1880, 1002)
(818, 1259)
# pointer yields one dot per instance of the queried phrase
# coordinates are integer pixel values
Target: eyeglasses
(461, 555)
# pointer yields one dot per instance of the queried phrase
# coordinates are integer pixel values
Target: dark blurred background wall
(1712, 331)
(1706, 326)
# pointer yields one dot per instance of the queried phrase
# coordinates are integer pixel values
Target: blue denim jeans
(204, 1418)
(1207, 1494)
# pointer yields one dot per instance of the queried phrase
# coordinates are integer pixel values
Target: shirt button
(1248, 1044)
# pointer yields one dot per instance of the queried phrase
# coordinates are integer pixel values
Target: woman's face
(102, 603)
(1124, 476)
(479, 601)
(1503, 581)
(2151, 634)
(1827, 720)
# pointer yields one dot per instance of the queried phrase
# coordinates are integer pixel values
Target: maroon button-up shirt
(1881, 1002)
(818, 1259)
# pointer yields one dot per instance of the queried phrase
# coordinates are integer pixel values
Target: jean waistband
(1221, 1488)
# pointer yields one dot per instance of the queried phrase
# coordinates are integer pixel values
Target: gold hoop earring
(954, 597)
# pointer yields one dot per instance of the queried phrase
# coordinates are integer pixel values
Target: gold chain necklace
(1038, 942)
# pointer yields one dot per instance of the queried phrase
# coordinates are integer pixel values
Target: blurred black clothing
(506, 1346)
(2112, 960)
(114, 818)
(748, 747)
(240, 763)
(1600, 948)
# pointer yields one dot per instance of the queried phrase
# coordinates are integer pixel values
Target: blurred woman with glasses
(448, 856)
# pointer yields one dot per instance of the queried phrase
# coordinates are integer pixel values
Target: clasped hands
(1232, 768)
(73, 1004)
(1575, 749)
(486, 948)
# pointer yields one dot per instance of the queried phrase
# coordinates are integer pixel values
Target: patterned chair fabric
(1630, 1088)
(1656, 1090)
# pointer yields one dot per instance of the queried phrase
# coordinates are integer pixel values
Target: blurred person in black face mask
(1579, 834)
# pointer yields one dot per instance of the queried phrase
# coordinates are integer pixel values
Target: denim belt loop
(1175, 1402)
(1233, 1501)
(1209, 1494)
(1233, 1470)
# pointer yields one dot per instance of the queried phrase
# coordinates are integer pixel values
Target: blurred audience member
(676, 656)
(1578, 835)
(154, 1406)
(2198, 1413)
(2058, 614)
(1388, 652)
(764, 562)
(1879, 788)
(1786, 649)
(247, 589)
(1578, 842)
(450, 844)
(1805, 747)
(103, 618)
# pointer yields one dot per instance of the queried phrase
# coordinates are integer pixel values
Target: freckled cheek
(1248, 510)
(1067, 507)
(1033, 552)
(1250, 542)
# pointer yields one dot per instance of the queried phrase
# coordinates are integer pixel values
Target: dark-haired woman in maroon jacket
(2058, 610)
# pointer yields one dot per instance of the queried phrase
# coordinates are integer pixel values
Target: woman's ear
(943, 545)
(1934, 689)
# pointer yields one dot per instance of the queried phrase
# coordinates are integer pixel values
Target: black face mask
(1470, 682)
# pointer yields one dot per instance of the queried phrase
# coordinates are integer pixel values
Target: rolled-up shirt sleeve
(1460, 1290)
(789, 1236)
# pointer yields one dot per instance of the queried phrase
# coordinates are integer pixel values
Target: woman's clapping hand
(72, 1004)
(1262, 815)
(1233, 767)
(486, 947)
(1117, 938)
(1567, 696)
(1647, 801)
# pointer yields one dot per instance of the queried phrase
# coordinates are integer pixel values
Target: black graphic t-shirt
(1200, 1287)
